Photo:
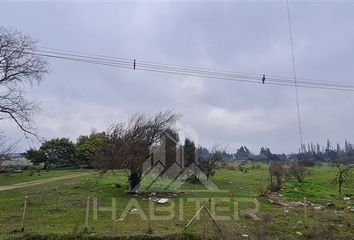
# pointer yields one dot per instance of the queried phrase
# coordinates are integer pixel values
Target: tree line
(127, 146)
(310, 153)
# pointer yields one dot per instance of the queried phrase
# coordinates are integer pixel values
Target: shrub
(298, 171)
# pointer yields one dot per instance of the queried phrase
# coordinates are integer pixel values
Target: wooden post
(212, 218)
(210, 215)
(87, 214)
(24, 215)
(149, 217)
(195, 216)
(305, 211)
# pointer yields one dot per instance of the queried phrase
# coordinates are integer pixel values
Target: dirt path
(38, 182)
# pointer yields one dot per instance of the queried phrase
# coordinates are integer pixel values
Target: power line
(140, 65)
(188, 71)
(256, 75)
(295, 75)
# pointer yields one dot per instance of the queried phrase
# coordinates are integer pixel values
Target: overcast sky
(237, 36)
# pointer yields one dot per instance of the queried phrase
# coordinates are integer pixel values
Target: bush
(298, 171)
(276, 170)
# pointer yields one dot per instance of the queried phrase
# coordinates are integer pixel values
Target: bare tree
(276, 169)
(128, 145)
(344, 169)
(209, 163)
(298, 171)
(5, 149)
(19, 66)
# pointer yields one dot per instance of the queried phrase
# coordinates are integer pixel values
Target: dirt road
(42, 181)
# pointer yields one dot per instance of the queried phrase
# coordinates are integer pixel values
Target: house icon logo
(165, 170)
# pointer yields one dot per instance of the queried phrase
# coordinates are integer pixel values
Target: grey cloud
(237, 36)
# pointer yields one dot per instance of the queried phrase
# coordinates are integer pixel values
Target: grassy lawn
(59, 207)
(319, 186)
(32, 175)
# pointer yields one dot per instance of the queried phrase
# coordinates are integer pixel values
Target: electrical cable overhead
(188, 71)
(295, 76)
(254, 75)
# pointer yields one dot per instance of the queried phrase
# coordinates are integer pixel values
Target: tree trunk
(134, 178)
(340, 183)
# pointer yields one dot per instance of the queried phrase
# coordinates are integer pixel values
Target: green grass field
(32, 175)
(59, 207)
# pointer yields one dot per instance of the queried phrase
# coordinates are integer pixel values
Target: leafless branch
(128, 145)
(18, 68)
(5, 149)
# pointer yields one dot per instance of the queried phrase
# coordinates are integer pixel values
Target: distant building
(16, 160)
